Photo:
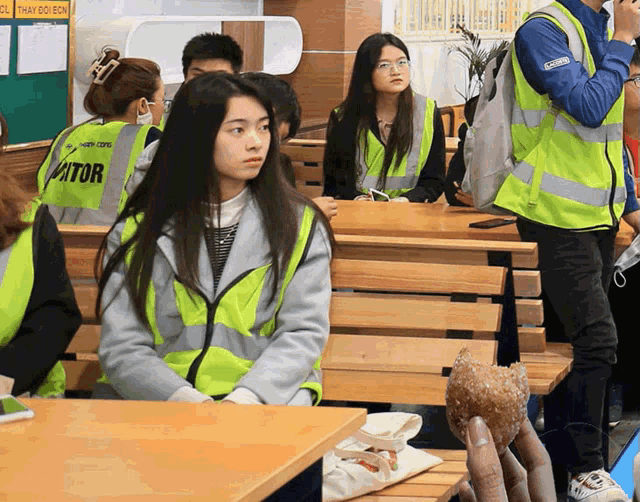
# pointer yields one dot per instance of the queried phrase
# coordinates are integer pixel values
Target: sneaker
(595, 486)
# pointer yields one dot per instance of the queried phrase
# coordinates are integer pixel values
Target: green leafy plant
(475, 58)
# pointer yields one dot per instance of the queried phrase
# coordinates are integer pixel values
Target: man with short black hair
(210, 52)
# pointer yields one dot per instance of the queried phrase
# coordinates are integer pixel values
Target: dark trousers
(576, 270)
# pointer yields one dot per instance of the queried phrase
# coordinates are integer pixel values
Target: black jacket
(52, 316)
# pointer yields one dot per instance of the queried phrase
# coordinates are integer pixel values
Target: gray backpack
(488, 149)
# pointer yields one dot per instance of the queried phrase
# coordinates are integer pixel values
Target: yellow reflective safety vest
(404, 177)
(16, 283)
(210, 343)
(82, 179)
(566, 175)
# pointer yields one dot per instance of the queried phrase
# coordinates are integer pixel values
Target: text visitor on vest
(384, 136)
(82, 179)
(38, 310)
(216, 277)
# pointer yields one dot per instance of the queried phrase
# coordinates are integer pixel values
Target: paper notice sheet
(5, 49)
(42, 48)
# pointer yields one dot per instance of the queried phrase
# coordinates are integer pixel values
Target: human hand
(464, 197)
(633, 220)
(503, 479)
(327, 205)
(399, 199)
(626, 20)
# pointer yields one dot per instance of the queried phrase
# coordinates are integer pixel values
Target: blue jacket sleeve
(587, 99)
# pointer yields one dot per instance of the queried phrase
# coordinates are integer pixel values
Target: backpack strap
(575, 42)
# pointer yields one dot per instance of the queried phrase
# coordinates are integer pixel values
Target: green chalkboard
(34, 105)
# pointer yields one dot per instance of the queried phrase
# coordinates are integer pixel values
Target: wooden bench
(547, 363)
(23, 160)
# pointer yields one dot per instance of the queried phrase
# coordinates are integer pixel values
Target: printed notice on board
(6, 9)
(38, 9)
(42, 48)
(5, 49)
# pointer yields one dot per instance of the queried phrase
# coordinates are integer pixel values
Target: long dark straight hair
(182, 183)
(358, 111)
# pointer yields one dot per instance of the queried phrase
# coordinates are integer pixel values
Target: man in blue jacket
(577, 263)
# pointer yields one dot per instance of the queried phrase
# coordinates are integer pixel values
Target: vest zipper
(614, 181)
(211, 311)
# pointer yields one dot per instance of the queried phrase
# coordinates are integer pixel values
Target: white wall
(168, 7)
(110, 9)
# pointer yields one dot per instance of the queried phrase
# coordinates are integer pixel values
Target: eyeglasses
(385, 66)
(635, 80)
(167, 105)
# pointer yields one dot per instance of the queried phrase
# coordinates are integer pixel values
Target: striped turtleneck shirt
(220, 239)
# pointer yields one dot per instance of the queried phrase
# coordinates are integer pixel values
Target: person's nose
(254, 142)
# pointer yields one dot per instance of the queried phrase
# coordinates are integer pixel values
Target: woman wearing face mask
(216, 280)
(82, 178)
(384, 136)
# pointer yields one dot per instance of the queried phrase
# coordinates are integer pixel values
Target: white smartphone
(11, 409)
(373, 192)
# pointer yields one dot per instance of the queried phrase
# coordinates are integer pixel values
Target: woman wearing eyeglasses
(82, 178)
(384, 136)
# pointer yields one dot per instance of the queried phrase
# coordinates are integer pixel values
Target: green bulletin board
(34, 105)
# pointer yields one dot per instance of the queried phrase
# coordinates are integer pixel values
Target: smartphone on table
(492, 223)
(373, 192)
(11, 409)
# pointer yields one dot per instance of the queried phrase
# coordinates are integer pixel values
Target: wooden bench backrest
(524, 256)
(81, 244)
(383, 330)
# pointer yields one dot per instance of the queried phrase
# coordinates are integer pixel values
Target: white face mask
(628, 259)
(145, 118)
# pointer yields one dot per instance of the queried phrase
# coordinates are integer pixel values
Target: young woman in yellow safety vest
(82, 179)
(384, 136)
(38, 310)
(216, 274)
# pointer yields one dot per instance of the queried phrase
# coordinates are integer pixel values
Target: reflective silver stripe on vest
(118, 168)
(4, 261)
(602, 134)
(570, 190)
(113, 187)
(55, 155)
(192, 338)
(529, 118)
(410, 179)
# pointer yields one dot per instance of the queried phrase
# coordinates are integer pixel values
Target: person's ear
(142, 106)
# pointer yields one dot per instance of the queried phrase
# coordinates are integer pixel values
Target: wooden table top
(89, 449)
(436, 221)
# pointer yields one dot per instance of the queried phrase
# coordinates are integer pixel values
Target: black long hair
(182, 183)
(358, 111)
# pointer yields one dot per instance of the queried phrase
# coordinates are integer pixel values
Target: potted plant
(476, 59)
